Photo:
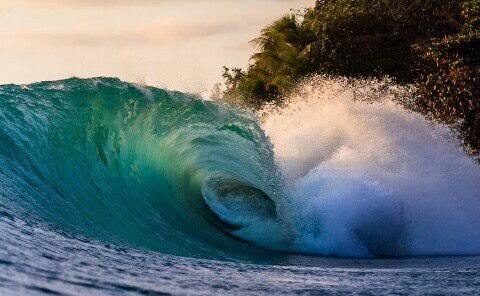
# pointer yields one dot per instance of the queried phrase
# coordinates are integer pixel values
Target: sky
(175, 44)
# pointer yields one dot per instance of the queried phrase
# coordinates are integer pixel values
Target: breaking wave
(340, 170)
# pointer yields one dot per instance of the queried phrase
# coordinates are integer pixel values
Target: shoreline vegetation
(432, 45)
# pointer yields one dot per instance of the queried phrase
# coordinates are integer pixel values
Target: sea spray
(365, 177)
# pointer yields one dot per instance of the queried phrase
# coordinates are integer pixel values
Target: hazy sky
(179, 44)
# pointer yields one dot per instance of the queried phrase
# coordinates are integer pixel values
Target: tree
(449, 82)
(432, 44)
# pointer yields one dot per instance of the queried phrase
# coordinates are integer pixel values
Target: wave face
(329, 174)
(134, 165)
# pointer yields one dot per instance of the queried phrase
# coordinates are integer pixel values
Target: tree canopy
(432, 44)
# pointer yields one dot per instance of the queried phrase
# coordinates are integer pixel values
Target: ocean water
(112, 188)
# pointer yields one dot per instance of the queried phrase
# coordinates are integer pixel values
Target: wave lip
(236, 202)
(249, 213)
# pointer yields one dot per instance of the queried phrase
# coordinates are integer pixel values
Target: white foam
(366, 178)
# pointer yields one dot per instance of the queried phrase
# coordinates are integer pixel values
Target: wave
(328, 174)
(127, 164)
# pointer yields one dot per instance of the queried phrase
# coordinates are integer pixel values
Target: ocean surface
(113, 188)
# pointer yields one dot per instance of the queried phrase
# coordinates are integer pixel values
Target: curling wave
(328, 174)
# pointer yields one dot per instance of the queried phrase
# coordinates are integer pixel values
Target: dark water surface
(37, 262)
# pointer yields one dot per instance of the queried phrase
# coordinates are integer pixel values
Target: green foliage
(449, 82)
(281, 59)
(375, 37)
(356, 38)
(433, 44)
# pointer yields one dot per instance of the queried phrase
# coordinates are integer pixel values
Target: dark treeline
(432, 44)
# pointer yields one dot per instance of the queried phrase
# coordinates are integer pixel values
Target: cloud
(154, 33)
(180, 30)
(173, 43)
(80, 3)
(58, 3)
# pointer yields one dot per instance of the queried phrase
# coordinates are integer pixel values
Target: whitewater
(110, 187)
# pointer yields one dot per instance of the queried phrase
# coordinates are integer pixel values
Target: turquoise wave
(140, 167)
(137, 166)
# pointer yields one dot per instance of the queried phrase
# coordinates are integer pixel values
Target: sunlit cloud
(180, 44)
(156, 33)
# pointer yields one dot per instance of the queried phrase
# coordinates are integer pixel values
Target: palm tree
(282, 55)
